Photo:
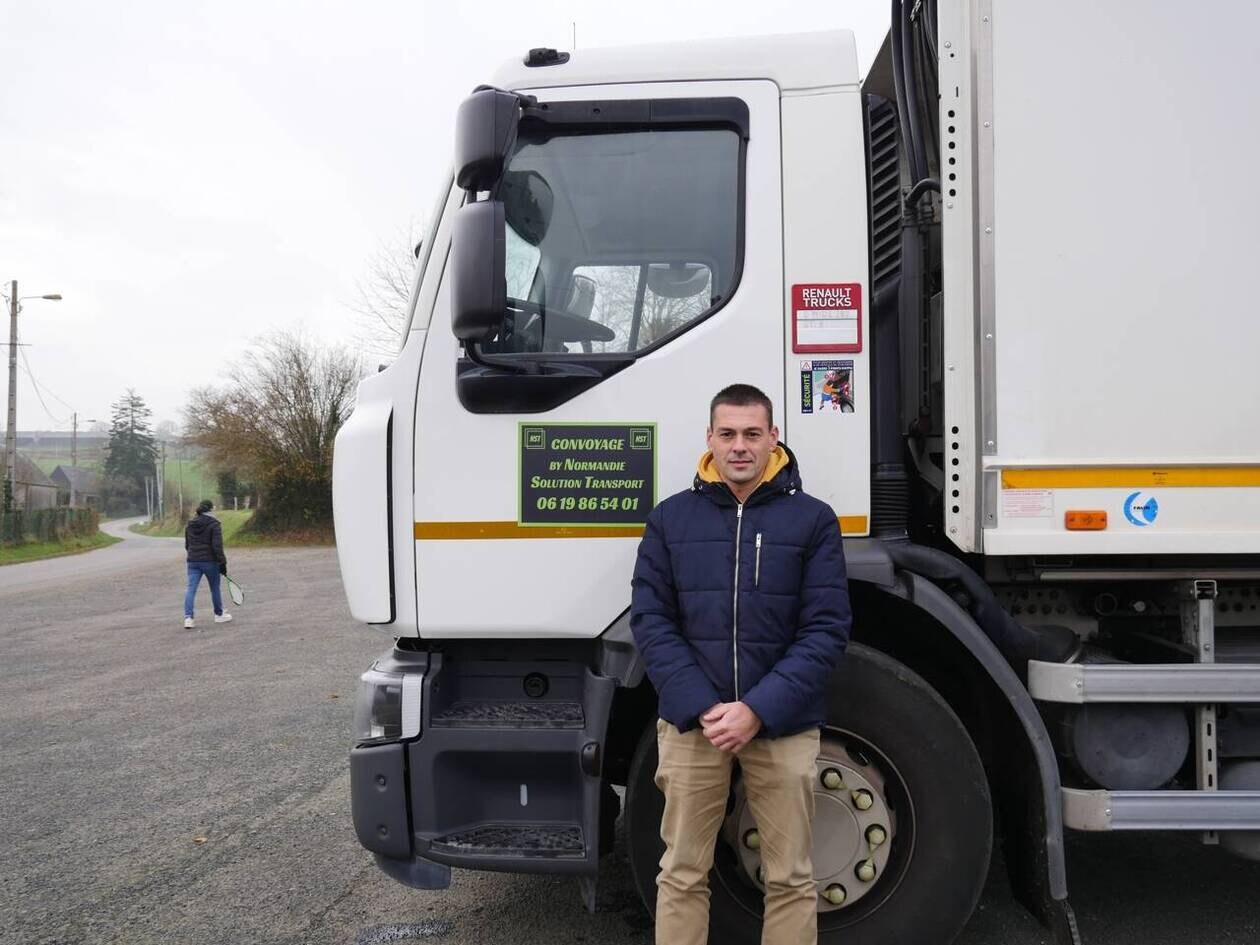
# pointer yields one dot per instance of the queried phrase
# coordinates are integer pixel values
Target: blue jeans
(211, 571)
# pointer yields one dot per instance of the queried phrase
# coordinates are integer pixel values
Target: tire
(934, 784)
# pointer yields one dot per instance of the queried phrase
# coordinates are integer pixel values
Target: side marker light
(1085, 520)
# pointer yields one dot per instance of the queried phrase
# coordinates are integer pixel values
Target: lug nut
(862, 799)
(834, 894)
(832, 779)
(866, 870)
(752, 840)
(875, 835)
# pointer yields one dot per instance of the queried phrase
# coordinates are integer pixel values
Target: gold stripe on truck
(1132, 477)
(467, 531)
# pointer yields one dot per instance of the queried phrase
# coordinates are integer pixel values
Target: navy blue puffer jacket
(746, 603)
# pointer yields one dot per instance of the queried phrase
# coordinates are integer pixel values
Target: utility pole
(74, 439)
(161, 486)
(10, 431)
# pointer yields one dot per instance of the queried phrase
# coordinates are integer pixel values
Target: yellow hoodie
(708, 471)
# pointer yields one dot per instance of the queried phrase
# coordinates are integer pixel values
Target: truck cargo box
(1100, 240)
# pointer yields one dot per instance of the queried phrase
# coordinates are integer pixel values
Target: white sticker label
(1028, 503)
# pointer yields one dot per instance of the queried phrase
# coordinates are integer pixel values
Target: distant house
(34, 490)
(77, 486)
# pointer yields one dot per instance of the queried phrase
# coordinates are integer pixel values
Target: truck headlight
(388, 707)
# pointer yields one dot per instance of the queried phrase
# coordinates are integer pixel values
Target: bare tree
(384, 292)
(616, 295)
(275, 422)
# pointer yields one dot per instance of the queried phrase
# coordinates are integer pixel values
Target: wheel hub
(853, 829)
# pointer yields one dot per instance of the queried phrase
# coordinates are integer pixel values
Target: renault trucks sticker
(827, 387)
(586, 474)
(827, 317)
(1140, 511)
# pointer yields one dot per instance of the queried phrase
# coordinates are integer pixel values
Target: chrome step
(1161, 810)
(518, 840)
(1138, 682)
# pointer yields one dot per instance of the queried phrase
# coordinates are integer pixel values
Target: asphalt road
(163, 785)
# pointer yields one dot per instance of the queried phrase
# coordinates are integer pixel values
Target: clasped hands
(729, 726)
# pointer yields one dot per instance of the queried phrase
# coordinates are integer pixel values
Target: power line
(44, 390)
(35, 387)
(48, 391)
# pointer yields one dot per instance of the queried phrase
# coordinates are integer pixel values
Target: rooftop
(793, 61)
(81, 480)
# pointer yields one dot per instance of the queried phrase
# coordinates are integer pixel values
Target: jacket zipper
(757, 565)
(739, 525)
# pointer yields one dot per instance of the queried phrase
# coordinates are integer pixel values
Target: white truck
(997, 293)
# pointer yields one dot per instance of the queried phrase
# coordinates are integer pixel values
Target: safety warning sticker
(1028, 503)
(827, 317)
(827, 387)
(587, 474)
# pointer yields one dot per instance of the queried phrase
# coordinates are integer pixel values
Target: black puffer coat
(203, 540)
(742, 602)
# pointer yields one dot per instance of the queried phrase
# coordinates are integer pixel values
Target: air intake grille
(885, 177)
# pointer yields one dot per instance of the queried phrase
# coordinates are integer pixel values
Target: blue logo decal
(1147, 510)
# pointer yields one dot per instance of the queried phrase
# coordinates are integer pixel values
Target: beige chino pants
(695, 778)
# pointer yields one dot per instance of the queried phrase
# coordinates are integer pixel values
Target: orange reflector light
(1090, 520)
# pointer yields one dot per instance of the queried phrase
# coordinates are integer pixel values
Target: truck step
(1161, 810)
(523, 840)
(1135, 682)
(538, 714)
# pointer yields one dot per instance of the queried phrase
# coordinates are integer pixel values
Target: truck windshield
(617, 240)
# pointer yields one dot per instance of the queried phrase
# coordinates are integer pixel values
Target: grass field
(233, 522)
(34, 550)
(183, 464)
(174, 527)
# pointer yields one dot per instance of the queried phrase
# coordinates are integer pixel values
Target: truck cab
(627, 231)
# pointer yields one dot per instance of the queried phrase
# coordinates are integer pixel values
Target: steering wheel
(560, 325)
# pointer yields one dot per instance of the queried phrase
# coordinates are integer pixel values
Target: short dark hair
(741, 395)
(204, 506)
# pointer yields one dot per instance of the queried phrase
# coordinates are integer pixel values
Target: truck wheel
(903, 824)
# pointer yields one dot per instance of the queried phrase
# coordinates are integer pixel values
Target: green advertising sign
(587, 474)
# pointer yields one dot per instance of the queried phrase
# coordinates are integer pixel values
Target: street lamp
(10, 434)
(74, 436)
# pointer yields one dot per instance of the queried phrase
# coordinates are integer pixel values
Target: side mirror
(478, 271)
(527, 202)
(485, 127)
(678, 280)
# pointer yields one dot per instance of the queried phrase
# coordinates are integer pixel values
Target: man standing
(203, 540)
(741, 613)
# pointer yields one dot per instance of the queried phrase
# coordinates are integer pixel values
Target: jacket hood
(201, 523)
(781, 471)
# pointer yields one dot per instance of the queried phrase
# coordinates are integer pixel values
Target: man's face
(742, 440)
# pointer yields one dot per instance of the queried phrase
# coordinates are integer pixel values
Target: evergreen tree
(131, 452)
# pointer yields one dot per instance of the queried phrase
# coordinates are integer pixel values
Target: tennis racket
(234, 590)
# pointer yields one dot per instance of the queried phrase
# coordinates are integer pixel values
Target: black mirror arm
(473, 350)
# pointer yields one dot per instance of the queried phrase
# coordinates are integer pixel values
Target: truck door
(643, 256)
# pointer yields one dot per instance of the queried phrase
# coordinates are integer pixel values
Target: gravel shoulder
(127, 738)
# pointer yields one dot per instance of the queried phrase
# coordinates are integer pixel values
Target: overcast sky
(189, 176)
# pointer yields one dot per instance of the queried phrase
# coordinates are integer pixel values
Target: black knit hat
(204, 506)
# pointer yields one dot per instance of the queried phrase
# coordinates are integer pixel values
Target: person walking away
(203, 540)
(740, 609)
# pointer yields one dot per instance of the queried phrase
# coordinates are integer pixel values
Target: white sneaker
(224, 617)
(188, 623)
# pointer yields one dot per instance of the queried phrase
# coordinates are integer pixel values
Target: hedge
(47, 525)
